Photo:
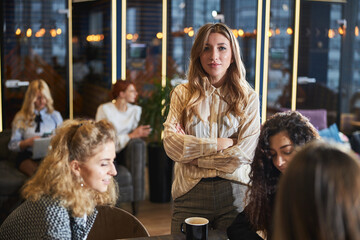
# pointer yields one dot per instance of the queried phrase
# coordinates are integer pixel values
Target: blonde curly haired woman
(36, 118)
(75, 177)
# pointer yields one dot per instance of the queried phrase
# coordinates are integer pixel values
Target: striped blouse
(200, 141)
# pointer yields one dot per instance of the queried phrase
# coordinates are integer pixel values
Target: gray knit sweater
(45, 219)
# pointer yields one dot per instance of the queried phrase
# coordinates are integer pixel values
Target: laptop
(41, 147)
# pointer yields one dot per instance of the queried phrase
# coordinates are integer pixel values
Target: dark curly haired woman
(280, 135)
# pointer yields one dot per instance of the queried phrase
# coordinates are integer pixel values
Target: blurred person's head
(319, 195)
(279, 139)
(78, 169)
(37, 97)
(125, 90)
(215, 60)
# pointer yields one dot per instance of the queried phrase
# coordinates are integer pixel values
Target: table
(213, 235)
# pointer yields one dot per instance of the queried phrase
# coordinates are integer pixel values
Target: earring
(81, 182)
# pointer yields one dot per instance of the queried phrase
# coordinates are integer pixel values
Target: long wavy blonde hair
(236, 86)
(25, 117)
(75, 139)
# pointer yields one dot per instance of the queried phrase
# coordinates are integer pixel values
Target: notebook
(41, 147)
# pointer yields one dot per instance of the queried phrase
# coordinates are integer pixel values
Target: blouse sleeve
(57, 118)
(100, 114)
(243, 151)
(16, 137)
(180, 147)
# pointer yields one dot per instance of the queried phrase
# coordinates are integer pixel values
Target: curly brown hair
(264, 175)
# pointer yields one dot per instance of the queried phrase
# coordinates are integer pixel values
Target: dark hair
(120, 86)
(319, 195)
(264, 175)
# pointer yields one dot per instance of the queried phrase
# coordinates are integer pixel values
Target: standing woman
(75, 177)
(123, 114)
(35, 119)
(211, 131)
(279, 139)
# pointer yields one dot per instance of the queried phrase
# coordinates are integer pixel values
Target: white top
(50, 121)
(200, 141)
(124, 122)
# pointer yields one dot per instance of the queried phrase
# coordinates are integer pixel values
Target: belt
(210, 179)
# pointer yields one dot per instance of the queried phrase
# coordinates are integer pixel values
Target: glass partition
(321, 35)
(187, 16)
(91, 55)
(281, 36)
(34, 47)
(143, 43)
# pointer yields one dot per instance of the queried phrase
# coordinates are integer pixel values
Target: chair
(116, 223)
(11, 179)
(317, 117)
(131, 173)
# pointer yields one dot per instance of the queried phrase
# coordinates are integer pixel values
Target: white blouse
(124, 122)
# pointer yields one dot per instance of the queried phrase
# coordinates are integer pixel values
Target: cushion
(317, 117)
(11, 179)
(331, 133)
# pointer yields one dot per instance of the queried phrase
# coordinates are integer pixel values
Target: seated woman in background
(36, 118)
(319, 195)
(123, 114)
(75, 177)
(279, 137)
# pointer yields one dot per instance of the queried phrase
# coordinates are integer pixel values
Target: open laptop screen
(41, 147)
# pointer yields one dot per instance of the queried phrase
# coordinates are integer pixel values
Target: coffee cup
(196, 228)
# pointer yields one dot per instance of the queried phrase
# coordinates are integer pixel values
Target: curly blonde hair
(236, 85)
(75, 139)
(25, 117)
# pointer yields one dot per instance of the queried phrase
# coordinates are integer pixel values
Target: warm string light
(341, 30)
(18, 31)
(159, 35)
(272, 32)
(129, 36)
(289, 31)
(95, 37)
(331, 33)
(135, 36)
(28, 32)
(40, 33)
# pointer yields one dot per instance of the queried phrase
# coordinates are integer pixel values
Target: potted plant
(155, 107)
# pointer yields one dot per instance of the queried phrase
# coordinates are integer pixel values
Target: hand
(194, 162)
(28, 142)
(140, 131)
(224, 143)
(179, 129)
(227, 165)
